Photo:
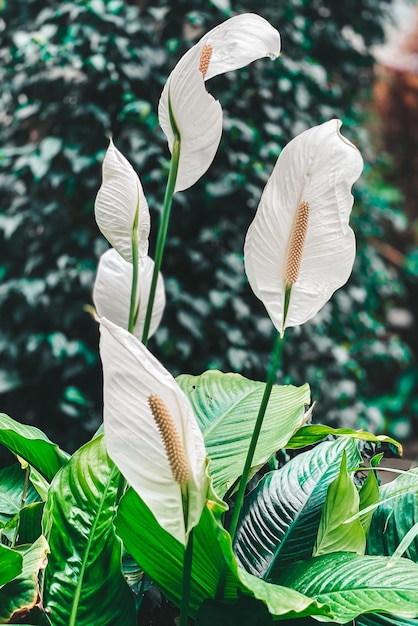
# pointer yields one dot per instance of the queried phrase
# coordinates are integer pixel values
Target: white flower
(121, 206)
(112, 291)
(299, 249)
(186, 107)
(134, 433)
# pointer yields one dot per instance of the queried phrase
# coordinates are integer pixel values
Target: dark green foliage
(73, 72)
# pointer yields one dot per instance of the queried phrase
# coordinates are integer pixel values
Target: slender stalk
(162, 233)
(271, 378)
(187, 574)
(134, 287)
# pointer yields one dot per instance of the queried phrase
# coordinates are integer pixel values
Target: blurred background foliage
(72, 73)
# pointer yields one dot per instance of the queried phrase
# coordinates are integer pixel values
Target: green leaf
(226, 408)
(22, 593)
(12, 480)
(376, 619)
(352, 584)
(280, 517)
(312, 433)
(30, 522)
(393, 519)
(10, 564)
(32, 445)
(83, 582)
(369, 495)
(341, 502)
(215, 570)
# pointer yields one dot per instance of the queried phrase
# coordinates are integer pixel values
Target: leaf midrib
(75, 604)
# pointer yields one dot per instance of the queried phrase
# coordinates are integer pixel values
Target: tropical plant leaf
(84, 584)
(32, 445)
(312, 433)
(393, 519)
(280, 518)
(226, 408)
(10, 564)
(215, 569)
(380, 619)
(352, 584)
(12, 480)
(369, 495)
(22, 593)
(342, 501)
(30, 526)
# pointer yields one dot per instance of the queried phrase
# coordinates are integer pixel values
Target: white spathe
(118, 200)
(319, 167)
(196, 114)
(112, 291)
(130, 375)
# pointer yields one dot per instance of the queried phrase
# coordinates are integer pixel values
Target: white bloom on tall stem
(151, 432)
(186, 109)
(112, 292)
(121, 209)
(300, 248)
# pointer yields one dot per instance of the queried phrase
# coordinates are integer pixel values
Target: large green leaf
(215, 570)
(21, 594)
(392, 519)
(12, 481)
(280, 518)
(84, 584)
(226, 408)
(32, 445)
(352, 584)
(342, 501)
(10, 564)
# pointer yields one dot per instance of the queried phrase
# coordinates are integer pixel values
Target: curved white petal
(318, 167)
(197, 115)
(118, 199)
(130, 374)
(112, 291)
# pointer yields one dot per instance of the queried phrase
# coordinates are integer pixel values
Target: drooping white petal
(317, 167)
(112, 291)
(197, 115)
(118, 200)
(130, 375)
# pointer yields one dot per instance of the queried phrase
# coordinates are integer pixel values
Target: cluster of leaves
(73, 72)
(297, 558)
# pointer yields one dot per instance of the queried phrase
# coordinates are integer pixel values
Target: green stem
(271, 378)
(162, 233)
(187, 574)
(134, 287)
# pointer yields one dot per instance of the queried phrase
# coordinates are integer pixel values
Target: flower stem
(187, 574)
(134, 287)
(275, 360)
(162, 233)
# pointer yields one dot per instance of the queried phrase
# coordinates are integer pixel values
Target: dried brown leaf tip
(173, 446)
(205, 58)
(297, 242)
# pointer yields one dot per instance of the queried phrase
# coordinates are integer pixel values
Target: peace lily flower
(187, 110)
(112, 291)
(299, 249)
(151, 432)
(121, 208)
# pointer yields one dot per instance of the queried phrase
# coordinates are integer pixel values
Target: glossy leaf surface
(226, 408)
(280, 518)
(84, 584)
(352, 584)
(10, 564)
(215, 569)
(32, 445)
